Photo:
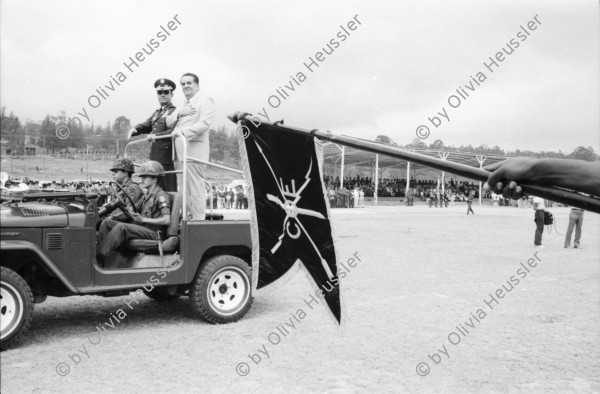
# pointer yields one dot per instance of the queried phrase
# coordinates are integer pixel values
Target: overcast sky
(397, 68)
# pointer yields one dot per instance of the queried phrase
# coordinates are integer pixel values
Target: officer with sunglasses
(161, 150)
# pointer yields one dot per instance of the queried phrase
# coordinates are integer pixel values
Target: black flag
(289, 208)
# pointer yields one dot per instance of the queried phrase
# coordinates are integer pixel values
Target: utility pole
(12, 153)
(87, 154)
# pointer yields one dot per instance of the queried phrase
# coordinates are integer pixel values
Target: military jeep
(48, 246)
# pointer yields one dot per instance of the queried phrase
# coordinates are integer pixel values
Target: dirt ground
(419, 294)
(47, 169)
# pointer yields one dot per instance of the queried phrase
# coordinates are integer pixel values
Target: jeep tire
(16, 307)
(222, 289)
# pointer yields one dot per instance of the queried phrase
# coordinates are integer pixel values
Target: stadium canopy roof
(332, 154)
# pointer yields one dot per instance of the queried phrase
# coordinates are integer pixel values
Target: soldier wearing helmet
(151, 168)
(122, 170)
(155, 214)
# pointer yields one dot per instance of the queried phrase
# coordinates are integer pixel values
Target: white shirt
(540, 204)
(193, 127)
(197, 124)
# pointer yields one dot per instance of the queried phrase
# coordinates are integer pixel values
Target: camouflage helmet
(123, 164)
(151, 168)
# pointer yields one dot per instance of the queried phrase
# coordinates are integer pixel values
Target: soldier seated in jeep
(127, 190)
(149, 224)
(47, 249)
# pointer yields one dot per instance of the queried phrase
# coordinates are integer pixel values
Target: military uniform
(113, 234)
(103, 195)
(161, 150)
(134, 191)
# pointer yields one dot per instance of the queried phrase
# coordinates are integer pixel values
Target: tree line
(580, 152)
(17, 137)
(224, 144)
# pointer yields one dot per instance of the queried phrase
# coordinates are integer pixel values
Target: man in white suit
(193, 120)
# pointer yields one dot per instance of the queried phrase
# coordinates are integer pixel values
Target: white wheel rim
(228, 291)
(11, 309)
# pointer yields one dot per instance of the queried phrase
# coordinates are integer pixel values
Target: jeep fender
(42, 259)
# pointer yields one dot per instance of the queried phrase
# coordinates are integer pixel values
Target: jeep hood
(33, 214)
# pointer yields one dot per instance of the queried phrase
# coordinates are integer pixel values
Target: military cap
(123, 164)
(151, 168)
(165, 82)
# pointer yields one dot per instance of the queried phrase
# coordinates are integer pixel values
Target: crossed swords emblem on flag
(289, 203)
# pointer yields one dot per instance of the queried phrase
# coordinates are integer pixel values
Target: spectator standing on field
(361, 197)
(540, 208)
(469, 203)
(575, 220)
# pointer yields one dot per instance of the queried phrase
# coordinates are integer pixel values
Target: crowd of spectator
(351, 195)
(396, 187)
(345, 198)
(355, 189)
(223, 197)
(229, 197)
(25, 184)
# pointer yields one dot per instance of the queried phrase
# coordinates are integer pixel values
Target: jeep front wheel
(222, 290)
(16, 307)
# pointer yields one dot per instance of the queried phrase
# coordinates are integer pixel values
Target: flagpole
(549, 192)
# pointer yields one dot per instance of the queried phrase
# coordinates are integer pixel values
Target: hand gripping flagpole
(548, 192)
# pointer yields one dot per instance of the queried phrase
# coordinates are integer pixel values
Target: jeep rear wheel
(16, 307)
(222, 290)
